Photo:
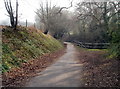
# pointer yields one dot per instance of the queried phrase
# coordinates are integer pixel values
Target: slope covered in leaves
(25, 44)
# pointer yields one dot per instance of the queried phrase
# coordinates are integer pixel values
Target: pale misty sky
(27, 8)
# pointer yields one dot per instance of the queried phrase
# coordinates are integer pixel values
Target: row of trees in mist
(90, 22)
(96, 20)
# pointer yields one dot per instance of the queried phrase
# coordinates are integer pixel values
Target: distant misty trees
(53, 19)
(22, 23)
(95, 21)
(89, 22)
(4, 22)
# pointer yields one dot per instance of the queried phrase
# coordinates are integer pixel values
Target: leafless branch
(59, 12)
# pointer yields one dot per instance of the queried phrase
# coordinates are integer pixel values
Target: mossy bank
(25, 44)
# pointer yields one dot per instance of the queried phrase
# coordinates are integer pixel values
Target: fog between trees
(89, 22)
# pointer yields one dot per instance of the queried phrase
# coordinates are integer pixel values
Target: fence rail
(92, 45)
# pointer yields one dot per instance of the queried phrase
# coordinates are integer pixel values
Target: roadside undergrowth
(98, 69)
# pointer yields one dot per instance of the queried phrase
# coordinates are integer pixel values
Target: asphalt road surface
(63, 73)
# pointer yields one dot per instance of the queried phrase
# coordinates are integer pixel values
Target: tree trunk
(16, 22)
(46, 31)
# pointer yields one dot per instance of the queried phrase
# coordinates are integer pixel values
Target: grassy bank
(25, 44)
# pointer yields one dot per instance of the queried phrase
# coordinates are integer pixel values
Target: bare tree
(55, 23)
(46, 13)
(98, 10)
(9, 8)
(97, 17)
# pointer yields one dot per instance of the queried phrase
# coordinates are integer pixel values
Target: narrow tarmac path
(63, 73)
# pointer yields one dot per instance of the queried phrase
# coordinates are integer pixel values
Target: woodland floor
(98, 71)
